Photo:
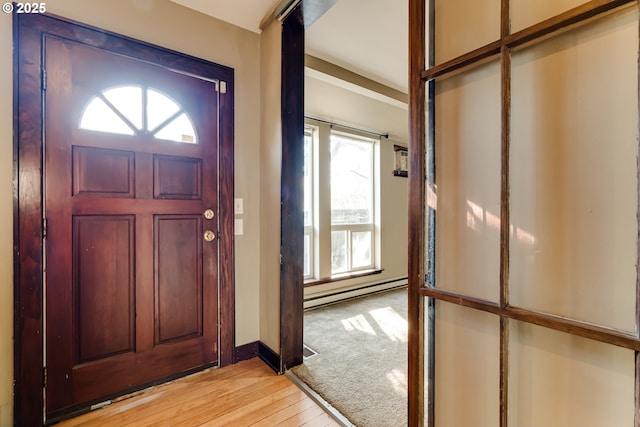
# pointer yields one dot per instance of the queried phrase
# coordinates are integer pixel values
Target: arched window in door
(138, 110)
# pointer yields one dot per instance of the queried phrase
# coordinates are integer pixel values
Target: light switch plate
(238, 206)
(238, 227)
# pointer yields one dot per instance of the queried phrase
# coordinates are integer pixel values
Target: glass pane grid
(574, 191)
(123, 110)
(578, 382)
(351, 181)
(339, 251)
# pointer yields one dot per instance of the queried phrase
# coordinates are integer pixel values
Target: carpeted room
(360, 365)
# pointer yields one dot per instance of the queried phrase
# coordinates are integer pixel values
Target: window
(351, 203)
(339, 202)
(308, 204)
(135, 110)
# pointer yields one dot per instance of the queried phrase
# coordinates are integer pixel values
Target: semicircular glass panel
(101, 117)
(138, 110)
(179, 129)
(128, 101)
(160, 108)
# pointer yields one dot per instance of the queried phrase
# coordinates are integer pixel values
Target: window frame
(350, 228)
(320, 232)
(310, 230)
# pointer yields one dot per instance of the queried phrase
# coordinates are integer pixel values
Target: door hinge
(44, 228)
(44, 376)
(280, 259)
(44, 78)
(220, 86)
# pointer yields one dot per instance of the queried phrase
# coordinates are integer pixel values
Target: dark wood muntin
(505, 55)
(29, 31)
(430, 220)
(587, 330)
(504, 178)
(501, 49)
(574, 16)
(416, 267)
(463, 61)
(505, 20)
(504, 372)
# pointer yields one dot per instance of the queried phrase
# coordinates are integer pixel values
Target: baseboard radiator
(318, 300)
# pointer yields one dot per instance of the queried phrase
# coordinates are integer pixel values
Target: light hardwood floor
(245, 394)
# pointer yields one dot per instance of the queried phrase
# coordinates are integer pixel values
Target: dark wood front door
(130, 200)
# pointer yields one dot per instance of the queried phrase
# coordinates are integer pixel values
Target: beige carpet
(361, 365)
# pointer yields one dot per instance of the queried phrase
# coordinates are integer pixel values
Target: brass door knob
(208, 214)
(209, 235)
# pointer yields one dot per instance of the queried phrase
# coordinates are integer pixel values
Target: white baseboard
(314, 301)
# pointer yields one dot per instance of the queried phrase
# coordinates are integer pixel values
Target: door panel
(103, 173)
(179, 296)
(132, 286)
(177, 178)
(103, 285)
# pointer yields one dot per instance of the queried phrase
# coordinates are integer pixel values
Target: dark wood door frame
(305, 13)
(291, 191)
(29, 30)
(291, 295)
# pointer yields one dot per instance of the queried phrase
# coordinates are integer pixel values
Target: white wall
(175, 27)
(271, 161)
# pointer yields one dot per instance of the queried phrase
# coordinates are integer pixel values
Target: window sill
(343, 276)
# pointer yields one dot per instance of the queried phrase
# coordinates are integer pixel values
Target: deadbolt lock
(208, 214)
(209, 235)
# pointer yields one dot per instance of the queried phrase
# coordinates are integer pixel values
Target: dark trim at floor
(246, 351)
(270, 357)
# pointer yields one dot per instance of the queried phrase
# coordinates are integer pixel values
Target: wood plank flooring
(245, 394)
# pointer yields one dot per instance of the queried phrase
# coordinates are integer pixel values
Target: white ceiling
(368, 37)
(243, 13)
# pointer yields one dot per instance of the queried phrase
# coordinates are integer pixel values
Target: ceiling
(368, 37)
(243, 13)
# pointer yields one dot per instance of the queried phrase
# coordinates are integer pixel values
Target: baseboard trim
(245, 352)
(357, 292)
(269, 357)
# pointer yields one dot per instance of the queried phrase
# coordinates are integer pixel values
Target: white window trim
(310, 230)
(320, 242)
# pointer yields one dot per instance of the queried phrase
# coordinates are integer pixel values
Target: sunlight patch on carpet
(398, 380)
(358, 323)
(394, 325)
